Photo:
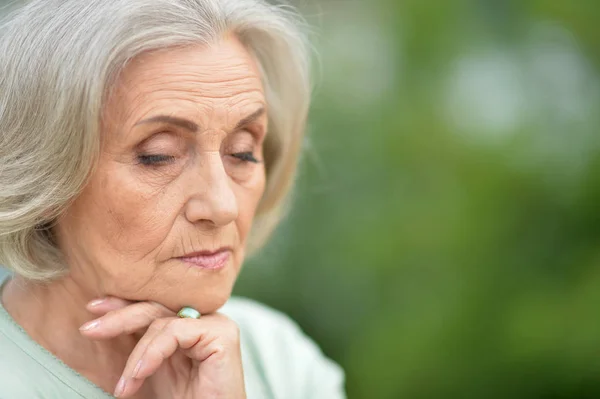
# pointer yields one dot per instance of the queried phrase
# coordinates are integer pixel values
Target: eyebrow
(193, 127)
(172, 120)
(250, 118)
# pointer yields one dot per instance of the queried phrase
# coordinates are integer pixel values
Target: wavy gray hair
(59, 61)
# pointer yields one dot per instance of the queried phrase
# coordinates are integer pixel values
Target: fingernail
(120, 387)
(89, 325)
(137, 368)
(96, 302)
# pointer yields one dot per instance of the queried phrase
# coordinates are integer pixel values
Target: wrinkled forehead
(213, 85)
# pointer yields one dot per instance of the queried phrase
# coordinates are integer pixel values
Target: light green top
(279, 361)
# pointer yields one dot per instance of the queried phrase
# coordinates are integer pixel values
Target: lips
(207, 259)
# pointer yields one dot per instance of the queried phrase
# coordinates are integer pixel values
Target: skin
(160, 190)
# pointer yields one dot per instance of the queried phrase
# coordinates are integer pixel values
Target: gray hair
(59, 59)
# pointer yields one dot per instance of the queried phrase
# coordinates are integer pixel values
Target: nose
(213, 201)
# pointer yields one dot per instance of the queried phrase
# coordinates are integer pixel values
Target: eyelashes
(155, 159)
(160, 159)
(246, 157)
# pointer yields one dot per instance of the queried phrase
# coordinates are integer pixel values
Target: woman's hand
(180, 358)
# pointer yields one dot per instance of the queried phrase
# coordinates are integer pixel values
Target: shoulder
(269, 328)
(27, 370)
(257, 318)
(22, 377)
(292, 363)
(13, 380)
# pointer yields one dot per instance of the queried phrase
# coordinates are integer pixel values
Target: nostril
(218, 205)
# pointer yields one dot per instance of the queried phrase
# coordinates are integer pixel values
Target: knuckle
(143, 316)
(149, 311)
(156, 353)
(231, 331)
(219, 350)
(157, 325)
(176, 324)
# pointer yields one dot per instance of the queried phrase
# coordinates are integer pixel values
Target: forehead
(201, 82)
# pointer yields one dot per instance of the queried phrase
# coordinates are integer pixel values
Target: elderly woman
(146, 147)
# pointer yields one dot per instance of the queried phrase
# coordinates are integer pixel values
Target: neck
(59, 307)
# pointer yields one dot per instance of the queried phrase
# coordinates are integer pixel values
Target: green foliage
(445, 236)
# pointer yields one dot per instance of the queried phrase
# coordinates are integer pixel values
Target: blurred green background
(445, 237)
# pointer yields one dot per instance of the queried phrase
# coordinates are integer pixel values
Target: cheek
(133, 218)
(249, 196)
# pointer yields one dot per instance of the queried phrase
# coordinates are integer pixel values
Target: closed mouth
(208, 259)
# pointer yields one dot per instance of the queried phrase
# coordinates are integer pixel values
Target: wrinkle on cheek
(108, 214)
(133, 289)
(153, 187)
(129, 212)
(118, 223)
(157, 221)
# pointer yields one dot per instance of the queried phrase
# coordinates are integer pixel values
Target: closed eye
(155, 159)
(246, 157)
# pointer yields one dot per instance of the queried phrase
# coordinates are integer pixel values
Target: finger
(127, 320)
(126, 388)
(107, 304)
(128, 383)
(133, 362)
(198, 338)
(190, 335)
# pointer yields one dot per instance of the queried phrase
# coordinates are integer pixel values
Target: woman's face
(181, 174)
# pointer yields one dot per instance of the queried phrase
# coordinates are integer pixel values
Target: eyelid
(257, 130)
(160, 142)
(157, 134)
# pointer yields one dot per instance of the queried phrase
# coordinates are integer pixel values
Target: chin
(204, 300)
(213, 303)
(205, 291)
